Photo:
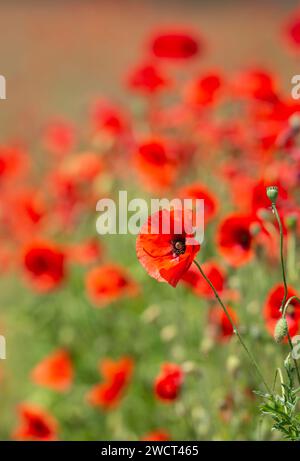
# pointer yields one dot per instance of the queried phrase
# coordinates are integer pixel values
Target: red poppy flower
(35, 424)
(257, 84)
(156, 163)
(159, 435)
(29, 212)
(168, 383)
(108, 118)
(84, 167)
(292, 30)
(74, 185)
(108, 283)
(13, 163)
(73, 181)
(167, 256)
(44, 265)
(175, 45)
(272, 306)
(194, 279)
(220, 327)
(204, 90)
(59, 137)
(85, 252)
(234, 238)
(54, 372)
(199, 191)
(117, 375)
(147, 79)
(31, 207)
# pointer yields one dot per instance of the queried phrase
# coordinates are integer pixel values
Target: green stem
(288, 335)
(234, 327)
(285, 303)
(281, 384)
(274, 209)
(288, 302)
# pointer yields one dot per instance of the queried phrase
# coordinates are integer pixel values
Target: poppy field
(155, 336)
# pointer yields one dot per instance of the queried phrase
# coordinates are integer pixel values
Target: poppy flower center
(178, 246)
(39, 428)
(39, 265)
(244, 238)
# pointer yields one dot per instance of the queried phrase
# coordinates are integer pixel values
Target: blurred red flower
(167, 257)
(234, 239)
(29, 212)
(85, 252)
(204, 90)
(117, 375)
(168, 383)
(156, 163)
(175, 45)
(159, 435)
(108, 283)
(59, 137)
(73, 185)
(199, 191)
(257, 84)
(292, 30)
(199, 285)
(54, 372)
(35, 424)
(13, 163)
(148, 79)
(273, 304)
(84, 167)
(44, 265)
(108, 117)
(219, 325)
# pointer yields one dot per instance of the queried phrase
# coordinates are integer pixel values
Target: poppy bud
(291, 221)
(281, 330)
(272, 193)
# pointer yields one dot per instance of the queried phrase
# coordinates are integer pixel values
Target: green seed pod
(291, 221)
(272, 193)
(281, 330)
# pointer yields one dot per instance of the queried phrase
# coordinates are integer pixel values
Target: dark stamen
(178, 246)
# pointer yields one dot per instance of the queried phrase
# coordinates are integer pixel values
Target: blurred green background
(56, 57)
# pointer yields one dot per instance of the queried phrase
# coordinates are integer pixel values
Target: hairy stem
(274, 209)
